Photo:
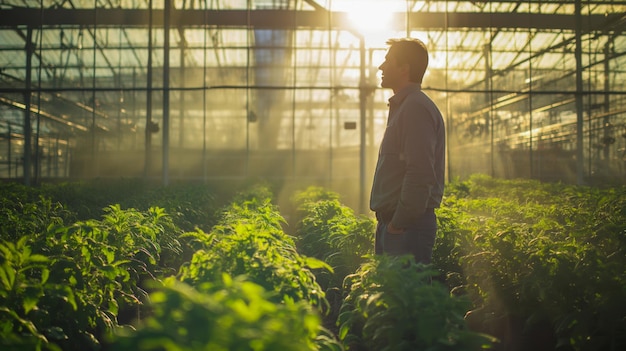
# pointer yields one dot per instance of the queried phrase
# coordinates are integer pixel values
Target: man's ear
(405, 68)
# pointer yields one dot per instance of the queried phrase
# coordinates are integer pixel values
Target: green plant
(331, 232)
(249, 241)
(394, 304)
(23, 281)
(222, 315)
(543, 263)
(65, 286)
(25, 214)
(189, 205)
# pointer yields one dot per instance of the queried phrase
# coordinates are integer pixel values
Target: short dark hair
(413, 52)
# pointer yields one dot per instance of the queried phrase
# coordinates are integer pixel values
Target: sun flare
(371, 18)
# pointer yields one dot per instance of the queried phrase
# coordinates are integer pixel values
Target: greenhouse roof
(64, 48)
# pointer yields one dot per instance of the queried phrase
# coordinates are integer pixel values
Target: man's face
(394, 76)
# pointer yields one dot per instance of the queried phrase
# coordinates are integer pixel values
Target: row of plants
(381, 303)
(245, 288)
(189, 204)
(65, 287)
(544, 263)
(328, 230)
(134, 280)
(539, 266)
(68, 280)
(393, 303)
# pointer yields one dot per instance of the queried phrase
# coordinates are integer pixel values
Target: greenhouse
(196, 175)
(286, 89)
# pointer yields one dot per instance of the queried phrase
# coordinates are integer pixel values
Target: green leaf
(36, 258)
(45, 274)
(28, 302)
(7, 275)
(86, 253)
(28, 325)
(109, 271)
(315, 263)
(110, 254)
(113, 306)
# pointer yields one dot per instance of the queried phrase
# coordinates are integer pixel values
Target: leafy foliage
(543, 263)
(189, 205)
(23, 277)
(330, 231)
(393, 304)
(251, 242)
(65, 286)
(540, 265)
(223, 315)
(24, 212)
(248, 244)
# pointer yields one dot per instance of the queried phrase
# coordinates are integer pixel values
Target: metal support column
(181, 95)
(166, 89)
(606, 121)
(9, 162)
(362, 110)
(579, 95)
(489, 102)
(27, 105)
(149, 126)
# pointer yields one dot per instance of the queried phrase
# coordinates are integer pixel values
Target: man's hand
(393, 230)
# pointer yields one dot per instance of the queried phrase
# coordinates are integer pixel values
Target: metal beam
(580, 155)
(27, 107)
(287, 19)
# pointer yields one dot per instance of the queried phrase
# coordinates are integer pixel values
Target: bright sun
(371, 18)
(369, 15)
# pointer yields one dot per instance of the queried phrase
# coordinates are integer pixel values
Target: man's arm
(419, 139)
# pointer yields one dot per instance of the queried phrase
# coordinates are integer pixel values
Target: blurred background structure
(287, 90)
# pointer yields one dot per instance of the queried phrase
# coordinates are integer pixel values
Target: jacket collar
(404, 92)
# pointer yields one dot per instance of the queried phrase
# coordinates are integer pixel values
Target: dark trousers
(418, 238)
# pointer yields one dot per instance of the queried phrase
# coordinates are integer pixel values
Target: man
(409, 179)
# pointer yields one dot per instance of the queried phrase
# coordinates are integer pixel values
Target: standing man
(409, 179)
